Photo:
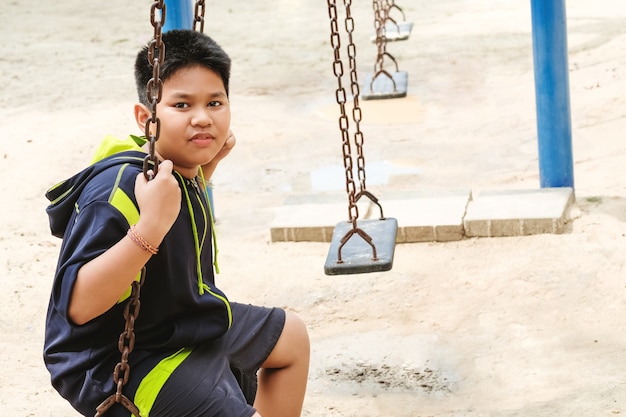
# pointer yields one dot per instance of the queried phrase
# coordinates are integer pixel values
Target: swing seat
(357, 254)
(383, 87)
(396, 32)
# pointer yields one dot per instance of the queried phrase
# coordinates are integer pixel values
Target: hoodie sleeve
(95, 225)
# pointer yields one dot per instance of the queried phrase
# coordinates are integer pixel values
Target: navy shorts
(212, 380)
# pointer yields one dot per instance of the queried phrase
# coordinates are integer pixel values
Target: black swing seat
(385, 87)
(356, 253)
(396, 31)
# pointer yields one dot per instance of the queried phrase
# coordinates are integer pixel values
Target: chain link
(198, 17)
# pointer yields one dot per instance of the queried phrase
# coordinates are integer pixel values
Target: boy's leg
(202, 385)
(283, 376)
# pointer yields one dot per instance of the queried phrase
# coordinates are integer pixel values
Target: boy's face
(195, 118)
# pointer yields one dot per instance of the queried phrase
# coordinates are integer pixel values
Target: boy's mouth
(202, 138)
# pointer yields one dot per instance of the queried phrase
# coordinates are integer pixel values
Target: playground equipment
(554, 126)
(394, 29)
(382, 84)
(551, 77)
(554, 137)
(375, 249)
(549, 36)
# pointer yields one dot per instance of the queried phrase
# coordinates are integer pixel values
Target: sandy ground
(530, 326)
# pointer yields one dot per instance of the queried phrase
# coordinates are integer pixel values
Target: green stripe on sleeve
(123, 203)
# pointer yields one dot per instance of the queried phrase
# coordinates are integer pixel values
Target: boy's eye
(181, 105)
(215, 103)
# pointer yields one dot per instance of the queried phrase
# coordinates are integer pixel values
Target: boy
(190, 340)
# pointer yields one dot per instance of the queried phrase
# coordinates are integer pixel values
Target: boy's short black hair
(183, 49)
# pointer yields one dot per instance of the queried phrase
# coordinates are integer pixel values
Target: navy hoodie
(180, 305)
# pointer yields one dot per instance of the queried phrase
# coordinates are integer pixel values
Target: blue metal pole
(178, 15)
(554, 126)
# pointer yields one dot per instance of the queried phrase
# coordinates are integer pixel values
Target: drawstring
(195, 236)
(213, 234)
(202, 287)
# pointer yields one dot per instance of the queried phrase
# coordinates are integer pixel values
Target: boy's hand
(228, 146)
(209, 167)
(158, 201)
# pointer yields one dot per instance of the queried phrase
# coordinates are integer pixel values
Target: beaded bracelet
(140, 241)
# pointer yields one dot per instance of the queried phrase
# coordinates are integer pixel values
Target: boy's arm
(103, 280)
(209, 168)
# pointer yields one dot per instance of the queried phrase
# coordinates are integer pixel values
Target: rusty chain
(354, 88)
(340, 95)
(126, 344)
(198, 15)
(154, 91)
(391, 5)
(381, 15)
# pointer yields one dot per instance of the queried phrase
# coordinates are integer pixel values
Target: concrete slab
(427, 216)
(430, 216)
(518, 212)
(312, 222)
(423, 216)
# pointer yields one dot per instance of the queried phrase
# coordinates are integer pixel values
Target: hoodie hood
(64, 195)
(111, 145)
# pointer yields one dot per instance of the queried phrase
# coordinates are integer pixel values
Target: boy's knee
(293, 345)
(297, 341)
(295, 330)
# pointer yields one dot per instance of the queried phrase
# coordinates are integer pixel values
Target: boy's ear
(142, 113)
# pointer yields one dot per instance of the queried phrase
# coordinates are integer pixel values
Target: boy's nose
(202, 117)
